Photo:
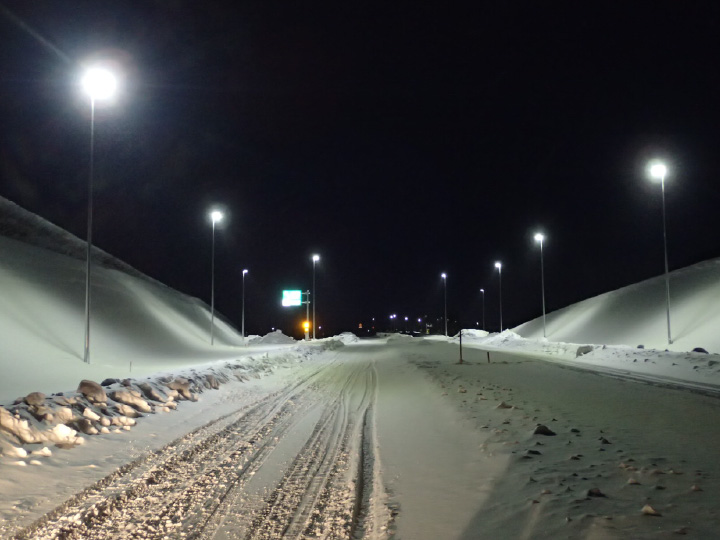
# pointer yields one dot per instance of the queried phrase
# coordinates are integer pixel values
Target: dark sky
(396, 139)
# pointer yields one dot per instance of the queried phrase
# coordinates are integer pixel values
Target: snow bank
(275, 338)
(695, 369)
(347, 338)
(636, 314)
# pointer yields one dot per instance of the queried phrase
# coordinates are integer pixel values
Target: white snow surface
(636, 314)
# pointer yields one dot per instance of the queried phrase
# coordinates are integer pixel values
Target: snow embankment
(636, 314)
(115, 405)
(695, 369)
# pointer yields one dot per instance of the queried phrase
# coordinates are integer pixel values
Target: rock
(129, 398)
(583, 349)
(503, 405)
(699, 350)
(182, 386)
(150, 392)
(84, 425)
(695, 487)
(212, 381)
(641, 346)
(543, 430)
(19, 427)
(595, 492)
(127, 410)
(63, 415)
(109, 382)
(633, 482)
(35, 399)
(603, 440)
(650, 511)
(462, 390)
(92, 391)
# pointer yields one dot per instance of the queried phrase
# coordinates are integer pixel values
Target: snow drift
(636, 315)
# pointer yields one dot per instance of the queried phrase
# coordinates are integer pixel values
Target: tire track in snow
(174, 482)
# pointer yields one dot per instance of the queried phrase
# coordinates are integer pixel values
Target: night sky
(398, 140)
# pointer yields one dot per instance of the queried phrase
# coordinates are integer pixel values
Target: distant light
(443, 275)
(406, 318)
(419, 320)
(316, 258)
(99, 83)
(658, 170)
(215, 216)
(498, 265)
(306, 325)
(245, 272)
(539, 237)
(482, 290)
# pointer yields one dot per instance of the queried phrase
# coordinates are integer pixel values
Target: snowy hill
(135, 319)
(636, 315)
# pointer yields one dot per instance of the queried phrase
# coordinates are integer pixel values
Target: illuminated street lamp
(658, 172)
(483, 307)
(539, 238)
(100, 84)
(215, 217)
(243, 305)
(315, 259)
(498, 265)
(444, 278)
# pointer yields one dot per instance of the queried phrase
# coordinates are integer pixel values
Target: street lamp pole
(215, 216)
(539, 238)
(99, 84)
(444, 278)
(498, 265)
(243, 305)
(658, 171)
(483, 307)
(315, 259)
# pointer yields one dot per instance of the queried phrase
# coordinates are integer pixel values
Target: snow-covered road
(393, 438)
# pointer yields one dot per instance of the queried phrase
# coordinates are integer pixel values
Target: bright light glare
(443, 275)
(482, 290)
(316, 258)
(658, 170)
(498, 265)
(539, 237)
(99, 83)
(215, 216)
(245, 272)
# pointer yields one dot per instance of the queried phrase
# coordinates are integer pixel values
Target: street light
(483, 307)
(100, 84)
(243, 305)
(215, 217)
(444, 278)
(498, 265)
(658, 172)
(539, 238)
(315, 259)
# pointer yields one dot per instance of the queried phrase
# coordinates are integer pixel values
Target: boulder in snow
(129, 398)
(583, 349)
(92, 391)
(35, 399)
(543, 430)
